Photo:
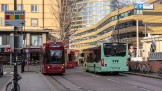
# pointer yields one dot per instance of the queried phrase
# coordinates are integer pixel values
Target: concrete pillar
(44, 38)
(137, 39)
(147, 49)
(144, 49)
(10, 58)
(28, 39)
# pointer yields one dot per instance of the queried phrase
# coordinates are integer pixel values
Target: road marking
(113, 80)
(96, 76)
(4, 73)
(11, 73)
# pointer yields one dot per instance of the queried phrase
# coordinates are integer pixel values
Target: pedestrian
(22, 65)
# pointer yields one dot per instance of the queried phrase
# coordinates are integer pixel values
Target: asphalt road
(77, 80)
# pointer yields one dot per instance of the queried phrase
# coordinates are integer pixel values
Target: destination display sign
(54, 46)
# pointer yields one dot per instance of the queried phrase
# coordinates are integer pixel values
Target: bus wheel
(86, 69)
(95, 69)
(116, 73)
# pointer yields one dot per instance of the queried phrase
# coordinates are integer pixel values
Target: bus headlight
(48, 67)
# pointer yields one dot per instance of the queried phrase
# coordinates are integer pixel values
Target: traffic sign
(15, 18)
(138, 6)
(143, 6)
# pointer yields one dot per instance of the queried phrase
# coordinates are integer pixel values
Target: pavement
(33, 80)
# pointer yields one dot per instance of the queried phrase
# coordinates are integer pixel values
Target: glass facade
(91, 12)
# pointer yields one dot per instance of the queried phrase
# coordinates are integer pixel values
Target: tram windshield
(55, 56)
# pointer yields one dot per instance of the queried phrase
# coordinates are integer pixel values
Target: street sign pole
(15, 51)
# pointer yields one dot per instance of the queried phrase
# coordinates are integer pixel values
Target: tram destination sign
(54, 46)
(15, 18)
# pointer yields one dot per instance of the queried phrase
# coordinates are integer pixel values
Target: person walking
(22, 65)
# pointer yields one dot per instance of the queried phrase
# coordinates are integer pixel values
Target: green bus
(107, 57)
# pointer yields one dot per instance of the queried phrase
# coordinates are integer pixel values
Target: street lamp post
(15, 51)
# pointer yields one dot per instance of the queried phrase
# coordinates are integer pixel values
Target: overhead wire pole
(15, 51)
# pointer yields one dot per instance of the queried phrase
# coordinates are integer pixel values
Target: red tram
(52, 58)
(72, 58)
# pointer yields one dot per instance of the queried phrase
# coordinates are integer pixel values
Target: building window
(2, 21)
(4, 7)
(36, 40)
(34, 22)
(34, 8)
(4, 40)
(19, 7)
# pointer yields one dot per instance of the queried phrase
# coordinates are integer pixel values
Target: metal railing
(156, 56)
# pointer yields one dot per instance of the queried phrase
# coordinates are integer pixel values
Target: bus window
(71, 57)
(55, 56)
(115, 50)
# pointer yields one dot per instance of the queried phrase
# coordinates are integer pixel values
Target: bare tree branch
(66, 13)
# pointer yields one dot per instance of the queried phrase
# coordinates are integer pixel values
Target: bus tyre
(95, 69)
(116, 73)
(85, 66)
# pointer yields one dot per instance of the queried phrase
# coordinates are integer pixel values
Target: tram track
(67, 84)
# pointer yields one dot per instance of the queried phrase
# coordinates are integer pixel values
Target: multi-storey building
(146, 21)
(89, 12)
(39, 23)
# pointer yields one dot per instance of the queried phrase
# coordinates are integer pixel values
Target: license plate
(115, 68)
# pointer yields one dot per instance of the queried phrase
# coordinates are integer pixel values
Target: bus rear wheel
(95, 69)
(116, 73)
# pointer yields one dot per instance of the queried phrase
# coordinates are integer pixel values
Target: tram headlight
(48, 67)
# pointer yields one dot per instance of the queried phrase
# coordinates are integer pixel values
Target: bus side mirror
(82, 54)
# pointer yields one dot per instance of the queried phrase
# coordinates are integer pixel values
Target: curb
(51, 87)
(145, 75)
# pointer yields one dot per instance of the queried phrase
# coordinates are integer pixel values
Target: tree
(66, 13)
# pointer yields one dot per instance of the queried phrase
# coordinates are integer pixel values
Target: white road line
(11, 73)
(4, 73)
(113, 80)
(95, 76)
(98, 76)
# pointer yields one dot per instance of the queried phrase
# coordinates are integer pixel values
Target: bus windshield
(115, 49)
(55, 56)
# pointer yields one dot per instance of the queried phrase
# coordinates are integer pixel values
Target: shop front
(33, 55)
(5, 56)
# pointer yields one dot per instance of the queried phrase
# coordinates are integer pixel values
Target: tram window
(55, 56)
